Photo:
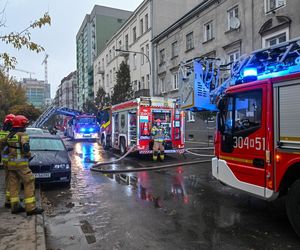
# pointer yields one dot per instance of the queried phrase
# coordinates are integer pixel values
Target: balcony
(142, 92)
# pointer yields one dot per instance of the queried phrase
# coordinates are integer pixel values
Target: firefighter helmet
(9, 118)
(20, 121)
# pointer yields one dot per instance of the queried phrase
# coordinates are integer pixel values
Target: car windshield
(46, 144)
(86, 120)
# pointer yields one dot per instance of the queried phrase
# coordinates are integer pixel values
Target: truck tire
(293, 206)
(122, 146)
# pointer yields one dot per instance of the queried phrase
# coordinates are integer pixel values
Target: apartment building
(96, 29)
(135, 37)
(69, 91)
(225, 29)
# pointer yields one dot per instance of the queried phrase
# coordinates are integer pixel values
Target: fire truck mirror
(220, 122)
(221, 104)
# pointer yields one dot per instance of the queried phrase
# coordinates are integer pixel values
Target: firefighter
(18, 168)
(7, 126)
(158, 135)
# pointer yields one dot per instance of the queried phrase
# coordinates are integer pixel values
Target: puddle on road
(146, 187)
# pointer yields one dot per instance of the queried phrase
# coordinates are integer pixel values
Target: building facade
(224, 29)
(95, 30)
(68, 93)
(135, 37)
(37, 92)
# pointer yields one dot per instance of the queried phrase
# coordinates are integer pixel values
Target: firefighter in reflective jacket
(18, 168)
(158, 135)
(7, 126)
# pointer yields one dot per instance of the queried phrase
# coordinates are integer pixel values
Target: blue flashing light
(91, 130)
(273, 74)
(252, 72)
(82, 130)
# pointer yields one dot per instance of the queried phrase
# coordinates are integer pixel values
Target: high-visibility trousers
(15, 176)
(158, 146)
(7, 192)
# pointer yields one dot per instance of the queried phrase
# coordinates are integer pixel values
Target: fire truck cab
(129, 124)
(83, 127)
(257, 142)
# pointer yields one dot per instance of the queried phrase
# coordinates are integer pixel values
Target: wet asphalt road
(181, 208)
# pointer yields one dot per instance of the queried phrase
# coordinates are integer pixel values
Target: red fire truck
(129, 124)
(257, 142)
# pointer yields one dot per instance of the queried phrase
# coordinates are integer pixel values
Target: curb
(40, 226)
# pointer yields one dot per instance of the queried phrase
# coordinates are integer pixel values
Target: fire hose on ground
(96, 167)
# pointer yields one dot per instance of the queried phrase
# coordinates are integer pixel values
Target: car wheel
(293, 206)
(122, 146)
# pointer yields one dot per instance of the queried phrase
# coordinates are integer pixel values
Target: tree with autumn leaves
(13, 99)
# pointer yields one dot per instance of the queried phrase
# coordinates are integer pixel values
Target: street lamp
(136, 52)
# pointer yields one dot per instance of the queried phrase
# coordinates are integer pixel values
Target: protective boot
(37, 210)
(162, 155)
(17, 208)
(155, 155)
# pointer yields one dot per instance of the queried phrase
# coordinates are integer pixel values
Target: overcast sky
(59, 39)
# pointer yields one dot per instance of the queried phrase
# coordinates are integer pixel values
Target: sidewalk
(19, 231)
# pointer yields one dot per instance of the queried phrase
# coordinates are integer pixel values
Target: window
(273, 4)
(234, 12)
(191, 116)
(233, 56)
(243, 112)
(190, 41)
(120, 44)
(106, 57)
(110, 55)
(142, 26)
(146, 22)
(134, 61)
(175, 81)
(162, 85)
(143, 83)
(208, 31)
(147, 50)
(126, 42)
(162, 56)
(275, 38)
(174, 49)
(142, 56)
(134, 34)
(114, 74)
(113, 51)
(148, 82)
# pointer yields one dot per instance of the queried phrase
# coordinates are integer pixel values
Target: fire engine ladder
(206, 78)
(52, 110)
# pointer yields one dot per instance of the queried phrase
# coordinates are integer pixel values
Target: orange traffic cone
(146, 129)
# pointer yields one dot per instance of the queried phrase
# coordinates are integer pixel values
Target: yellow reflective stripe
(236, 159)
(15, 164)
(7, 193)
(289, 138)
(105, 125)
(14, 199)
(29, 200)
